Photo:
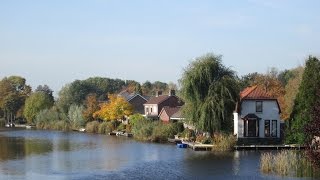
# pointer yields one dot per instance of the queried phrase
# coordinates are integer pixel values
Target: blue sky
(55, 42)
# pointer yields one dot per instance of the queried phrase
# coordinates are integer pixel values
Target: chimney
(172, 92)
(158, 93)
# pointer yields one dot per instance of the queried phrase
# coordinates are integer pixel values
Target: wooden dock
(269, 147)
(199, 146)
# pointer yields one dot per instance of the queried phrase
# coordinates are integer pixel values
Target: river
(46, 155)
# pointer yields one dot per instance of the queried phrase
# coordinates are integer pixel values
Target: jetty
(198, 146)
(270, 147)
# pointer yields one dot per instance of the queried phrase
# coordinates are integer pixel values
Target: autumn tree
(117, 108)
(35, 103)
(271, 84)
(304, 102)
(210, 91)
(91, 106)
(77, 91)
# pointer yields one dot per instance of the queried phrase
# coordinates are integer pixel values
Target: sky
(56, 42)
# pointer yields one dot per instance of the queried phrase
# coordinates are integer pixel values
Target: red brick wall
(164, 117)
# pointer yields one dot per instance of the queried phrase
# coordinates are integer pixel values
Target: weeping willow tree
(210, 91)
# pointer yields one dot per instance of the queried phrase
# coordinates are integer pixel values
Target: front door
(251, 128)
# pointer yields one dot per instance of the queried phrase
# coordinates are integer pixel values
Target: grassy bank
(2, 122)
(224, 142)
(287, 163)
(155, 131)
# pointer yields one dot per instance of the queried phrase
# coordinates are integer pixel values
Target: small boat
(82, 130)
(182, 145)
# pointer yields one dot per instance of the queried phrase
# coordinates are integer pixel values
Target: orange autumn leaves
(115, 109)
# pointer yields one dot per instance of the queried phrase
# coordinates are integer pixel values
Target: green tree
(35, 103)
(292, 88)
(13, 92)
(210, 91)
(304, 102)
(75, 116)
(46, 89)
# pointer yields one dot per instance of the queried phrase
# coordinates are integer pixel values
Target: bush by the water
(224, 142)
(52, 119)
(154, 131)
(286, 163)
(92, 127)
(188, 134)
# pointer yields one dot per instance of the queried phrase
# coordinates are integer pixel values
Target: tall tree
(13, 92)
(35, 103)
(46, 89)
(304, 102)
(210, 91)
(312, 131)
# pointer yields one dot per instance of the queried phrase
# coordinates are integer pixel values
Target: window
(147, 110)
(274, 128)
(150, 109)
(258, 106)
(267, 128)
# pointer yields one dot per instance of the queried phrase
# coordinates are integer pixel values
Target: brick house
(154, 105)
(167, 113)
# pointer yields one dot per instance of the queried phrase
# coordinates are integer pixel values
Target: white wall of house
(270, 111)
(148, 112)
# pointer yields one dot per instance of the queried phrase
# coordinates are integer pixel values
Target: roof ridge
(247, 91)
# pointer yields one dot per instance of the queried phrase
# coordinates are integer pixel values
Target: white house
(257, 116)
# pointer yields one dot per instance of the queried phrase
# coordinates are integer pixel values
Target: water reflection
(56, 155)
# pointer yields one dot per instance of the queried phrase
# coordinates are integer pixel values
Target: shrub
(102, 129)
(178, 127)
(75, 116)
(92, 127)
(161, 132)
(142, 130)
(133, 119)
(188, 134)
(121, 127)
(61, 125)
(224, 142)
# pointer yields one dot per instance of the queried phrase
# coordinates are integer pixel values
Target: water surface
(36, 154)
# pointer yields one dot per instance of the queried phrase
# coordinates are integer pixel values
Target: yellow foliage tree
(116, 108)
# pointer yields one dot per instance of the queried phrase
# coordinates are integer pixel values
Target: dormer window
(259, 106)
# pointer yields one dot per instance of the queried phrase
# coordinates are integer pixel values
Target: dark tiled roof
(177, 114)
(170, 110)
(157, 100)
(255, 92)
